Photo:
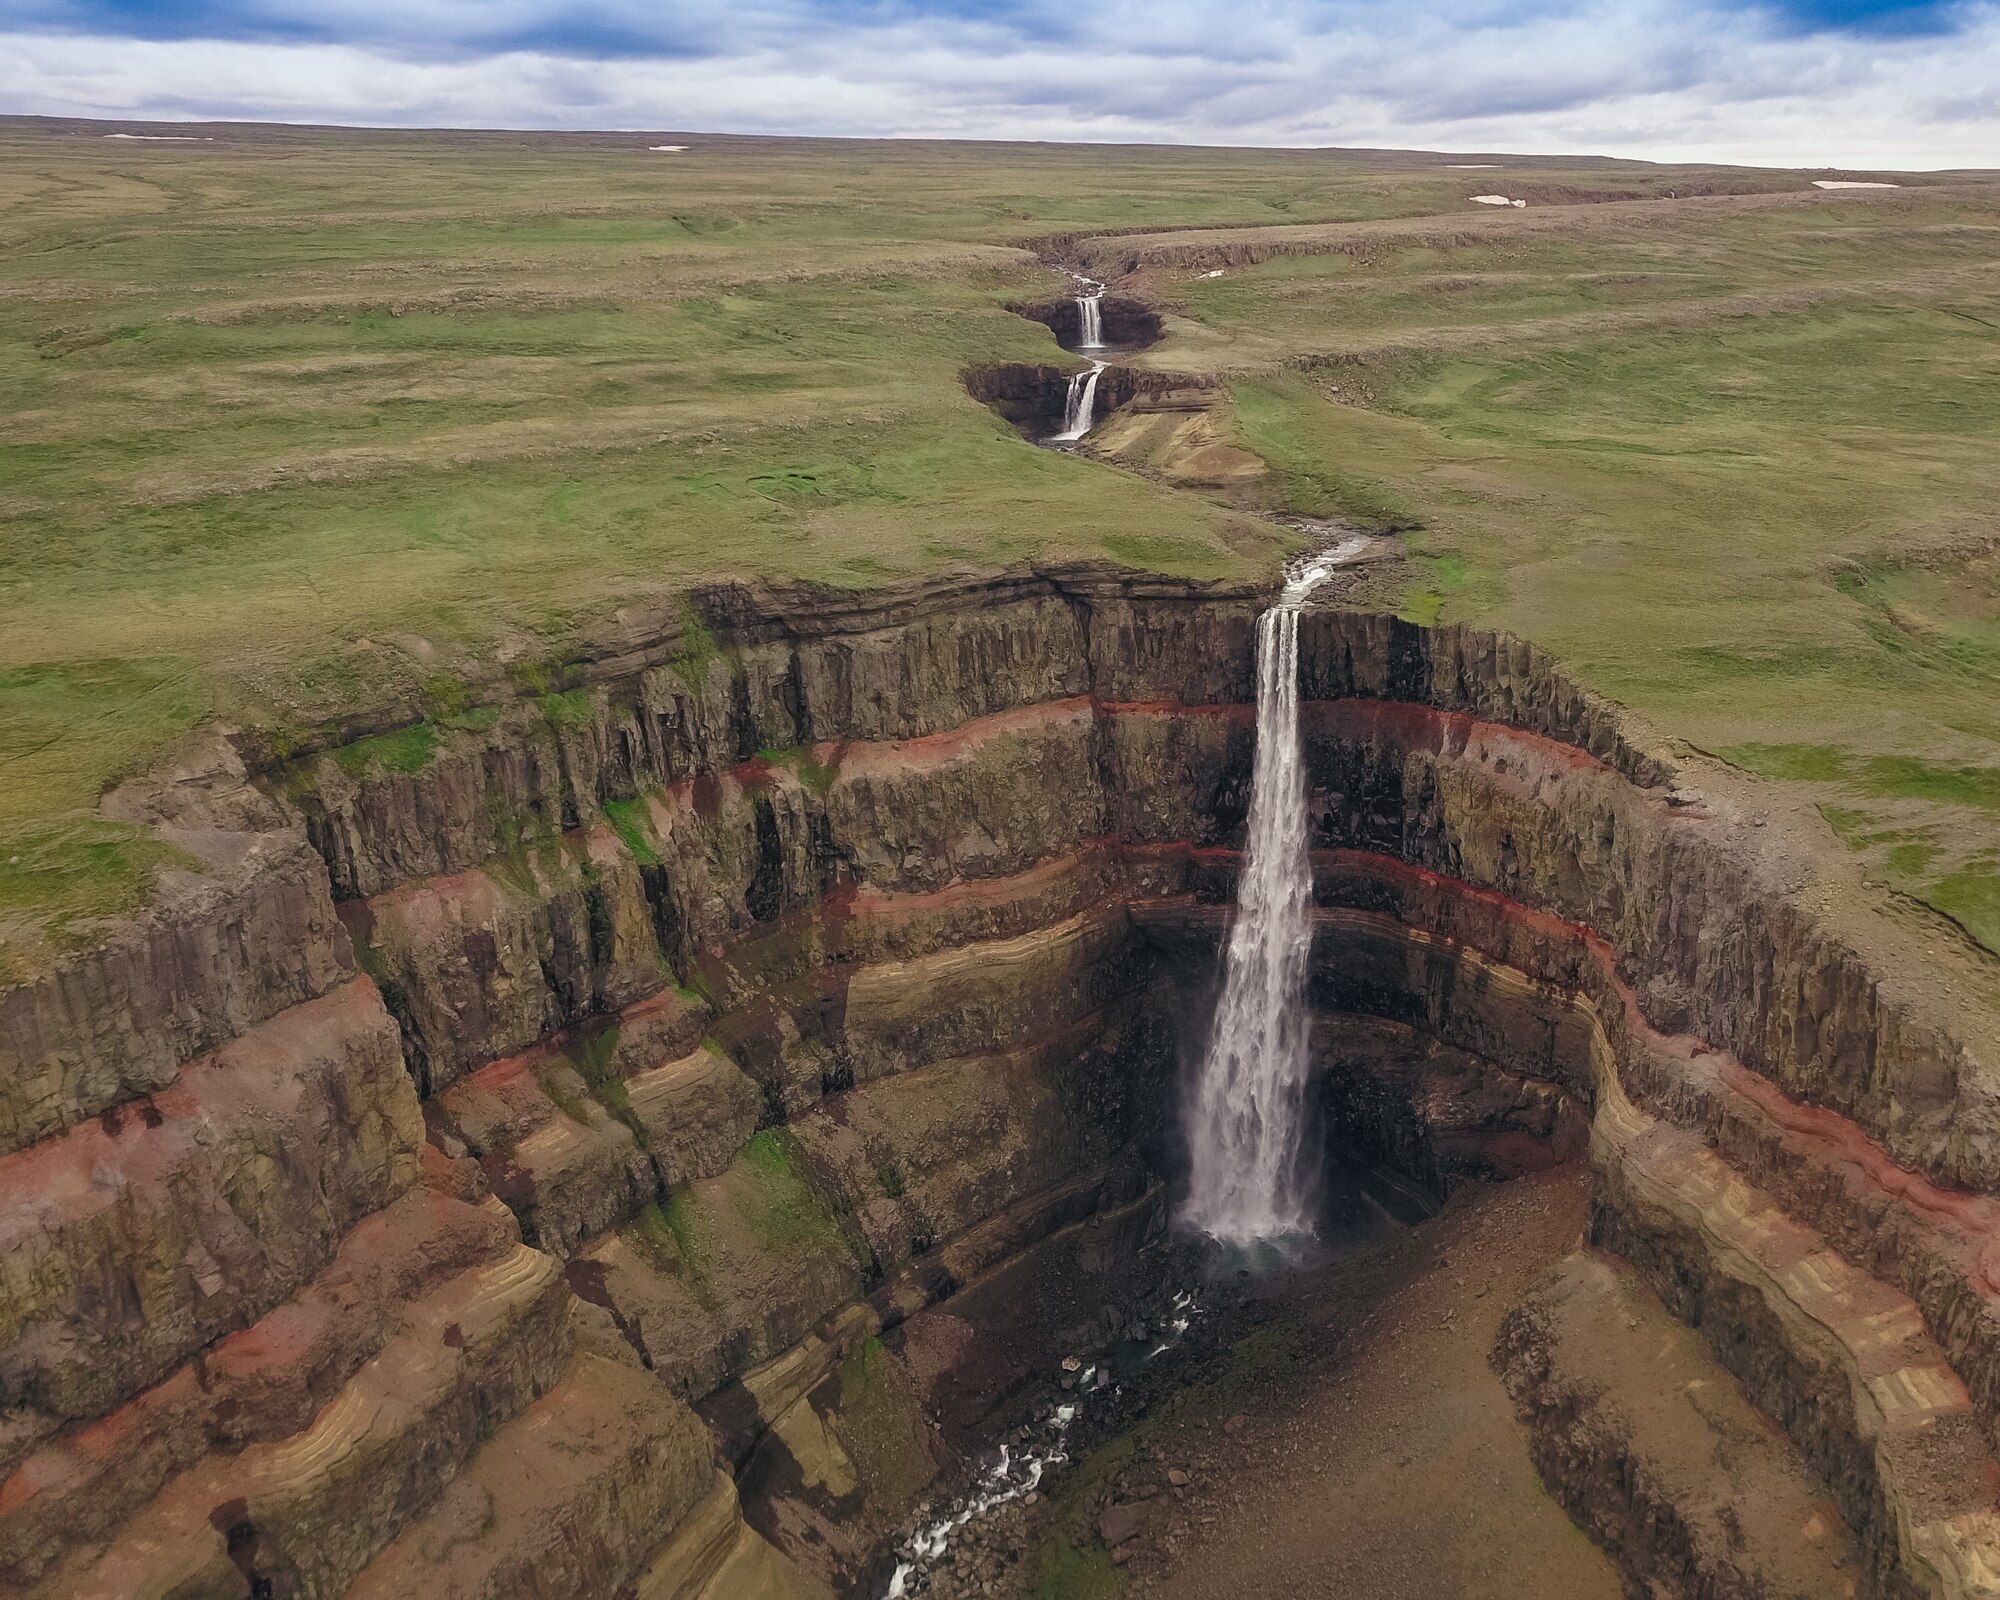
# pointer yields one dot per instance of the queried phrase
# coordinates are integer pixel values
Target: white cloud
(1649, 79)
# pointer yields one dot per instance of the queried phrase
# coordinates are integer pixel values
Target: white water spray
(1018, 1472)
(1245, 1112)
(1080, 405)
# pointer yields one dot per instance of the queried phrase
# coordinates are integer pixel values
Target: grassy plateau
(299, 422)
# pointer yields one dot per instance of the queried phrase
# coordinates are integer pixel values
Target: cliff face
(523, 1118)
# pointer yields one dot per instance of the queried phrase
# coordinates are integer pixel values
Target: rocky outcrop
(1034, 398)
(1653, 1450)
(264, 1383)
(571, 1497)
(240, 928)
(1127, 325)
(133, 1241)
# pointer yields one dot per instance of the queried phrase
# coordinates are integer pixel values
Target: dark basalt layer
(1128, 326)
(1034, 398)
(807, 978)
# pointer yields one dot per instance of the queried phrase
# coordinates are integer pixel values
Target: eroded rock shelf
(587, 1147)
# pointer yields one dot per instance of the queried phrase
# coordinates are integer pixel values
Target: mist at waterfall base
(1254, 1180)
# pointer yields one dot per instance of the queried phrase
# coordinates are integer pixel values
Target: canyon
(628, 1135)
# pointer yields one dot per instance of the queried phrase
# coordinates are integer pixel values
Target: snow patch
(1495, 200)
(1851, 183)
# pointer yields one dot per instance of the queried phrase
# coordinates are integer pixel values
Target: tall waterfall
(1090, 309)
(1245, 1113)
(1080, 405)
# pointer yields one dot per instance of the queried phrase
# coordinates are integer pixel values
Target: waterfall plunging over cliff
(1245, 1114)
(1090, 312)
(1080, 406)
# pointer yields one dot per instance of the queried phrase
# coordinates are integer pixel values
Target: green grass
(1751, 524)
(817, 776)
(1808, 763)
(779, 1205)
(305, 426)
(1064, 1572)
(1972, 898)
(1909, 778)
(1439, 578)
(628, 821)
(1312, 482)
(406, 750)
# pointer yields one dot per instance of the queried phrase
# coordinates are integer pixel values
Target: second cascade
(1080, 406)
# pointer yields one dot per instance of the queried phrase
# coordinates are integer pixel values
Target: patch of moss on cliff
(406, 751)
(671, 1237)
(778, 1205)
(96, 867)
(562, 1089)
(699, 649)
(628, 819)
(575, 709)
(818, 776)
(881, 1425)
(593, 1059)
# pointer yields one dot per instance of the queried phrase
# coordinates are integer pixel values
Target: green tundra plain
(301, 424)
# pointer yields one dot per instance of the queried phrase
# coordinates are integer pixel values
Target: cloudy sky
(1886, 83)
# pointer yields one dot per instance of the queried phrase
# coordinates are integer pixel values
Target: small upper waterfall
(1090, 310)
(1080, 407)
(1245, 1112)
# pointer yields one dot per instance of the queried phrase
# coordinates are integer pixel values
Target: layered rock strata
(1669, 1468)
(530, 1115)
